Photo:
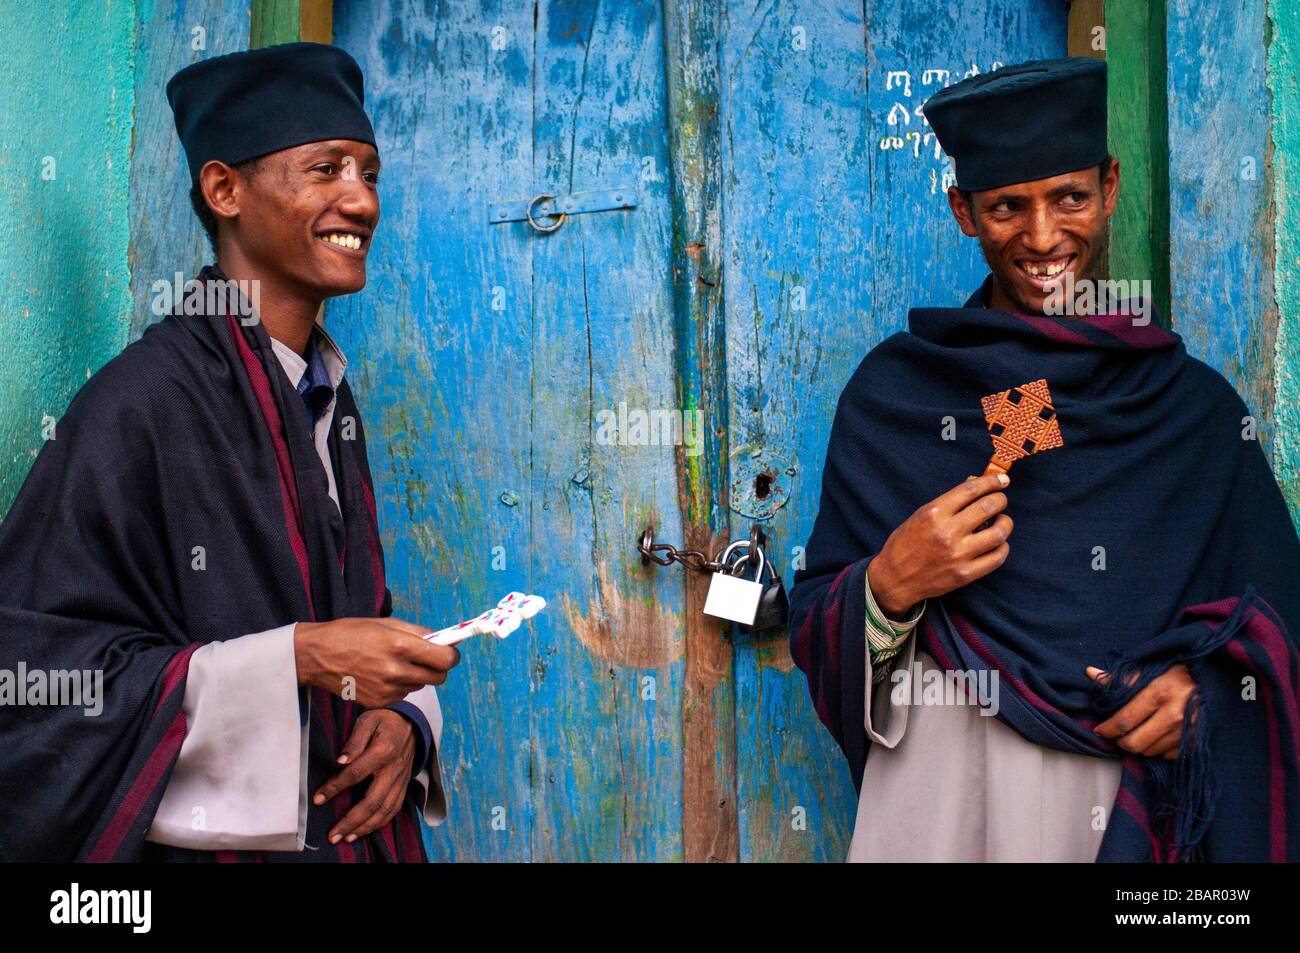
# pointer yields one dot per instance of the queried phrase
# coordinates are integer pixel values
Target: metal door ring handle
(558, 216)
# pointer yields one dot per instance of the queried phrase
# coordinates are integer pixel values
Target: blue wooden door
(836, 224)
(789, 209)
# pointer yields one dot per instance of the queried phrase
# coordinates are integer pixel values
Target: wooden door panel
(483, 389)
(442, 351)
(487, 372)
(833, 230)
(1221, 254)
(606, 721)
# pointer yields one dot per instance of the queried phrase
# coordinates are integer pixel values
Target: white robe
(240, 781)
(945, 783)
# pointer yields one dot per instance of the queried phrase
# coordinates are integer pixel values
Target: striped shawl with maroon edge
(191, 437)
(1156, 535)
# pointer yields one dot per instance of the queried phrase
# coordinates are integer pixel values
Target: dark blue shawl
(192, 436)
(1202, 564)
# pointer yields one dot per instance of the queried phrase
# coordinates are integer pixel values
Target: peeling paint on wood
(602, 312)
(628, 632)
(831, 233)
(445, 380)
(691, 37)
(1220, 196)
(489, 352)
(166, 236)
(1284, 90)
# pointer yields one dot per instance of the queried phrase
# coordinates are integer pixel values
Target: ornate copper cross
(1021, 427)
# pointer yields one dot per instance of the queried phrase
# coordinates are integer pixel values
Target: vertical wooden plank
(288, 21)
(607, 670)
(66, 81)
(440, 349)
(316, 21)
(1087, 28)
(836, 224)
(1283, 74)
(274, 21)
(691, 41)
(1136, 70)
(165, 233)
(1221, 216)
(796, 149)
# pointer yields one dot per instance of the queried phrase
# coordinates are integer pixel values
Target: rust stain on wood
(647, 632)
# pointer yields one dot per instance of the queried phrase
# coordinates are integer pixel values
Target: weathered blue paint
(445, 381)
(590, 320)
(486, 355)
(797, 155)
(692, 37)
(166, 236)
(65, 134)
(836, 223)
(1220, 195)
(607, 760)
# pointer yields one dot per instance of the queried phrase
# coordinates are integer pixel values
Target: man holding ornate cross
(1119, 680)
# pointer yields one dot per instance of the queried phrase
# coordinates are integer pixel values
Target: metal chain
(690, 558)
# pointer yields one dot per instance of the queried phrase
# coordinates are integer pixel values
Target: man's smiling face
(1035, 233)
(307, 215)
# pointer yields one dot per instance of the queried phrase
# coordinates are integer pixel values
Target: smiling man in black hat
(202, 533)
(971, 669)
(1036, 184)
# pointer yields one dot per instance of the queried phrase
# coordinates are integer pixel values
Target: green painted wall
(66, 101)
(93, 188)
(1135, 59)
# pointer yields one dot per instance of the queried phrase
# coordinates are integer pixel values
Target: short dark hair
(207, 219)
(1102, 168)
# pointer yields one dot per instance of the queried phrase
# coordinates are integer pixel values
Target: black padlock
(773, 607)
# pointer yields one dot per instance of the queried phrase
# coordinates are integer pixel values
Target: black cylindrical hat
(1022, 123)
(244, 105)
